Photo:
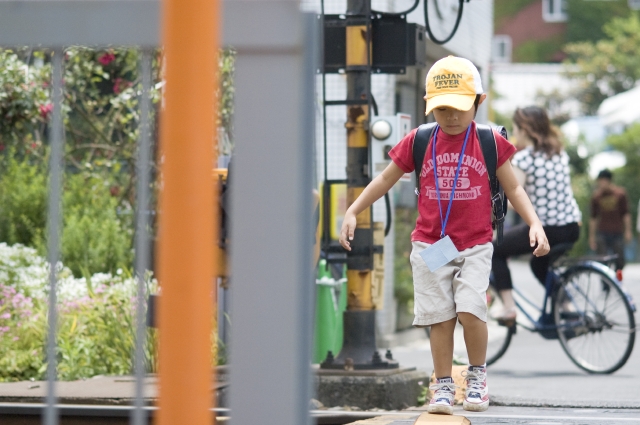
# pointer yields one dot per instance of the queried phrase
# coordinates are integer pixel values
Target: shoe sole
(440, 409)
(475, 407)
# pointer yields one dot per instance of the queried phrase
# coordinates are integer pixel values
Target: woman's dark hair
(534, 121)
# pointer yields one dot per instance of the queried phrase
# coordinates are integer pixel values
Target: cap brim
(461, 102)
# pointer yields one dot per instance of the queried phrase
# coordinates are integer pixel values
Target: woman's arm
(521, 203)
(374, 191)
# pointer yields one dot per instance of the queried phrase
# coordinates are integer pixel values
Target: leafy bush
(94, 237)
(23, 194)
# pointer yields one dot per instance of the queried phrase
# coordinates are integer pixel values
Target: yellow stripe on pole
(187, 215)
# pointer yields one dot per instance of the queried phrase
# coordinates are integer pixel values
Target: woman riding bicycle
(543, 168)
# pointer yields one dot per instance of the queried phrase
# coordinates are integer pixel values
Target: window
(554, 10)
(634, 4)
(501, 48)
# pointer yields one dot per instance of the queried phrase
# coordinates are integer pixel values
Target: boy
(453, 170)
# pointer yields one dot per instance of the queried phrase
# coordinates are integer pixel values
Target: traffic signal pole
(359, 345)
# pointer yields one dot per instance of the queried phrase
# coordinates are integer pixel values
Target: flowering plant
(96, 327)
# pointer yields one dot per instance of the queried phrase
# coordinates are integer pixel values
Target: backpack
(490, 153)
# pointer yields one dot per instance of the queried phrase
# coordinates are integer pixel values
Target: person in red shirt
(454, 224)
(610, 223)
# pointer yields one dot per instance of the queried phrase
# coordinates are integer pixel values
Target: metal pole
(187, 211)
(54, 223)
(272, 231)
(359, 349)
(139, 416)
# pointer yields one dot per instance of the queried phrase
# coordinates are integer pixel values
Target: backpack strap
(420, 144)
(490, 153)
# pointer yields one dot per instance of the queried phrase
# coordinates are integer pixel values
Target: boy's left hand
(539, 238)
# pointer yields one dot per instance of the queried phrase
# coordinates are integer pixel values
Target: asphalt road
(536, 372)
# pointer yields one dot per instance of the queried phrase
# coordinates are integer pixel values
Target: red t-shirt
(470, 218)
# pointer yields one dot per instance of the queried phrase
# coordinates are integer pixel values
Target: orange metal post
(187, 215)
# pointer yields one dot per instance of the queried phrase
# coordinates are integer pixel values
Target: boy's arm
(521, 203)
(374, 191)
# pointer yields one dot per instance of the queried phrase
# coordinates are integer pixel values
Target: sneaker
(477, 395)
(444, 392)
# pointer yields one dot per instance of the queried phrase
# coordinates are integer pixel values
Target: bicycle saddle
(558, 250)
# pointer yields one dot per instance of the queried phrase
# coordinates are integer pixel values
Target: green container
(331, 301)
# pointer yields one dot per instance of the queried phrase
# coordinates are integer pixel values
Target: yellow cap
(452, 82)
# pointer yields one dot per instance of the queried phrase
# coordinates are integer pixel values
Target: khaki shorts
(458, 286)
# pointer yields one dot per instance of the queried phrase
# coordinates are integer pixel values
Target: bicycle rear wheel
(595, 322)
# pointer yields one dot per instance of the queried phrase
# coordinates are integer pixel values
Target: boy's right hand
(347, 230)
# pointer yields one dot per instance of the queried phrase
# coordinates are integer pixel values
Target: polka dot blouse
(549, 186)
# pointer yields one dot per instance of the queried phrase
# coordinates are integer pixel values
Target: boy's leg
(475, 338)
(441, 339)
(470, 286)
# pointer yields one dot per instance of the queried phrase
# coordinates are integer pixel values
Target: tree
(586, 18)
(627, 176)
(608, 66)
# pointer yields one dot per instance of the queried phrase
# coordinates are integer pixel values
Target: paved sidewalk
(537, 372)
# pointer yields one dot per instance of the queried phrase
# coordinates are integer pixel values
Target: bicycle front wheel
(595, 322)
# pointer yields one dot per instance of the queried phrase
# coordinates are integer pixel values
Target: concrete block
(429, 419)
(385, 420)
(389, 389)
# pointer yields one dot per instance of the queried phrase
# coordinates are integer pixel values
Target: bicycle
(584, 307)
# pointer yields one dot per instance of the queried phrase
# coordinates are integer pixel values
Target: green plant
(422, 397)
(95, 238)
(23, 192)
(96, 320)
(586, 18)
(226, 97)
(405, 220)
(608, 66)
(24, 104)
(627, 176)
(539, 50)
(582, 188)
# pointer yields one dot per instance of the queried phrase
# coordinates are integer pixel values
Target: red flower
(107, 58)
(34, 145)
(119, 84)
(114, 190)
(45, 110)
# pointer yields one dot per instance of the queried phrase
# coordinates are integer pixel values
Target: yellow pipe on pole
(187, 215)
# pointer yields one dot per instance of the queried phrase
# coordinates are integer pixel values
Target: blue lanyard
(455, 181)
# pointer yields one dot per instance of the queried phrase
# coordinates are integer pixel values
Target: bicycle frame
(545, 323)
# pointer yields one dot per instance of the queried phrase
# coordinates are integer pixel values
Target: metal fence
(274, 112)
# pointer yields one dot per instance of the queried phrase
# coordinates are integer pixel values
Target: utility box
(386, 132)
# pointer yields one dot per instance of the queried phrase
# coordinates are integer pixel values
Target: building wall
(528, 25)
(520, 84)
(528, 29)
